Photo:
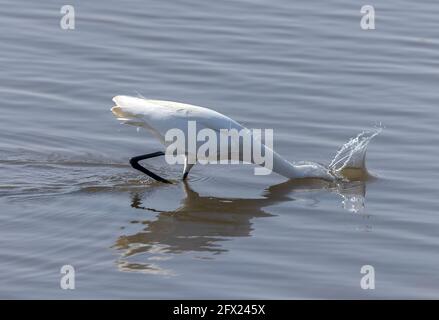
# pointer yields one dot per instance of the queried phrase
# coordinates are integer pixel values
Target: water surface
(69, 196)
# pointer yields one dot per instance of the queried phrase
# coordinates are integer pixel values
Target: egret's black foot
(185, 175)
(135, 164)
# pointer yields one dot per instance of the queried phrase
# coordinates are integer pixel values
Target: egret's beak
(127, 117)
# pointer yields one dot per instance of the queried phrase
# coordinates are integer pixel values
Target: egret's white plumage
(160, 116)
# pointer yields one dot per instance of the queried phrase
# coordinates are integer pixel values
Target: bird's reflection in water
(201, 223)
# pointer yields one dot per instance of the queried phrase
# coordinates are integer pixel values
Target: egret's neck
(292, 171)
(285, 168)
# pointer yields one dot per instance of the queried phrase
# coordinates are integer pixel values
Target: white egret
(160, 116)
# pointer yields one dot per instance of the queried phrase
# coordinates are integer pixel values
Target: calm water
(68, 196)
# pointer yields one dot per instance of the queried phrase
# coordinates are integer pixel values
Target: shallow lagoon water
(69, 196)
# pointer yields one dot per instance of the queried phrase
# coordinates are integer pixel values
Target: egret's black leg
(187, 167)
(135, 164)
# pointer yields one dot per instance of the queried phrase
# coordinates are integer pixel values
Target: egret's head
(127, 116)
(128, 110)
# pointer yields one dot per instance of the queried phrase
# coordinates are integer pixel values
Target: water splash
(352, 155)
(353, 195)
